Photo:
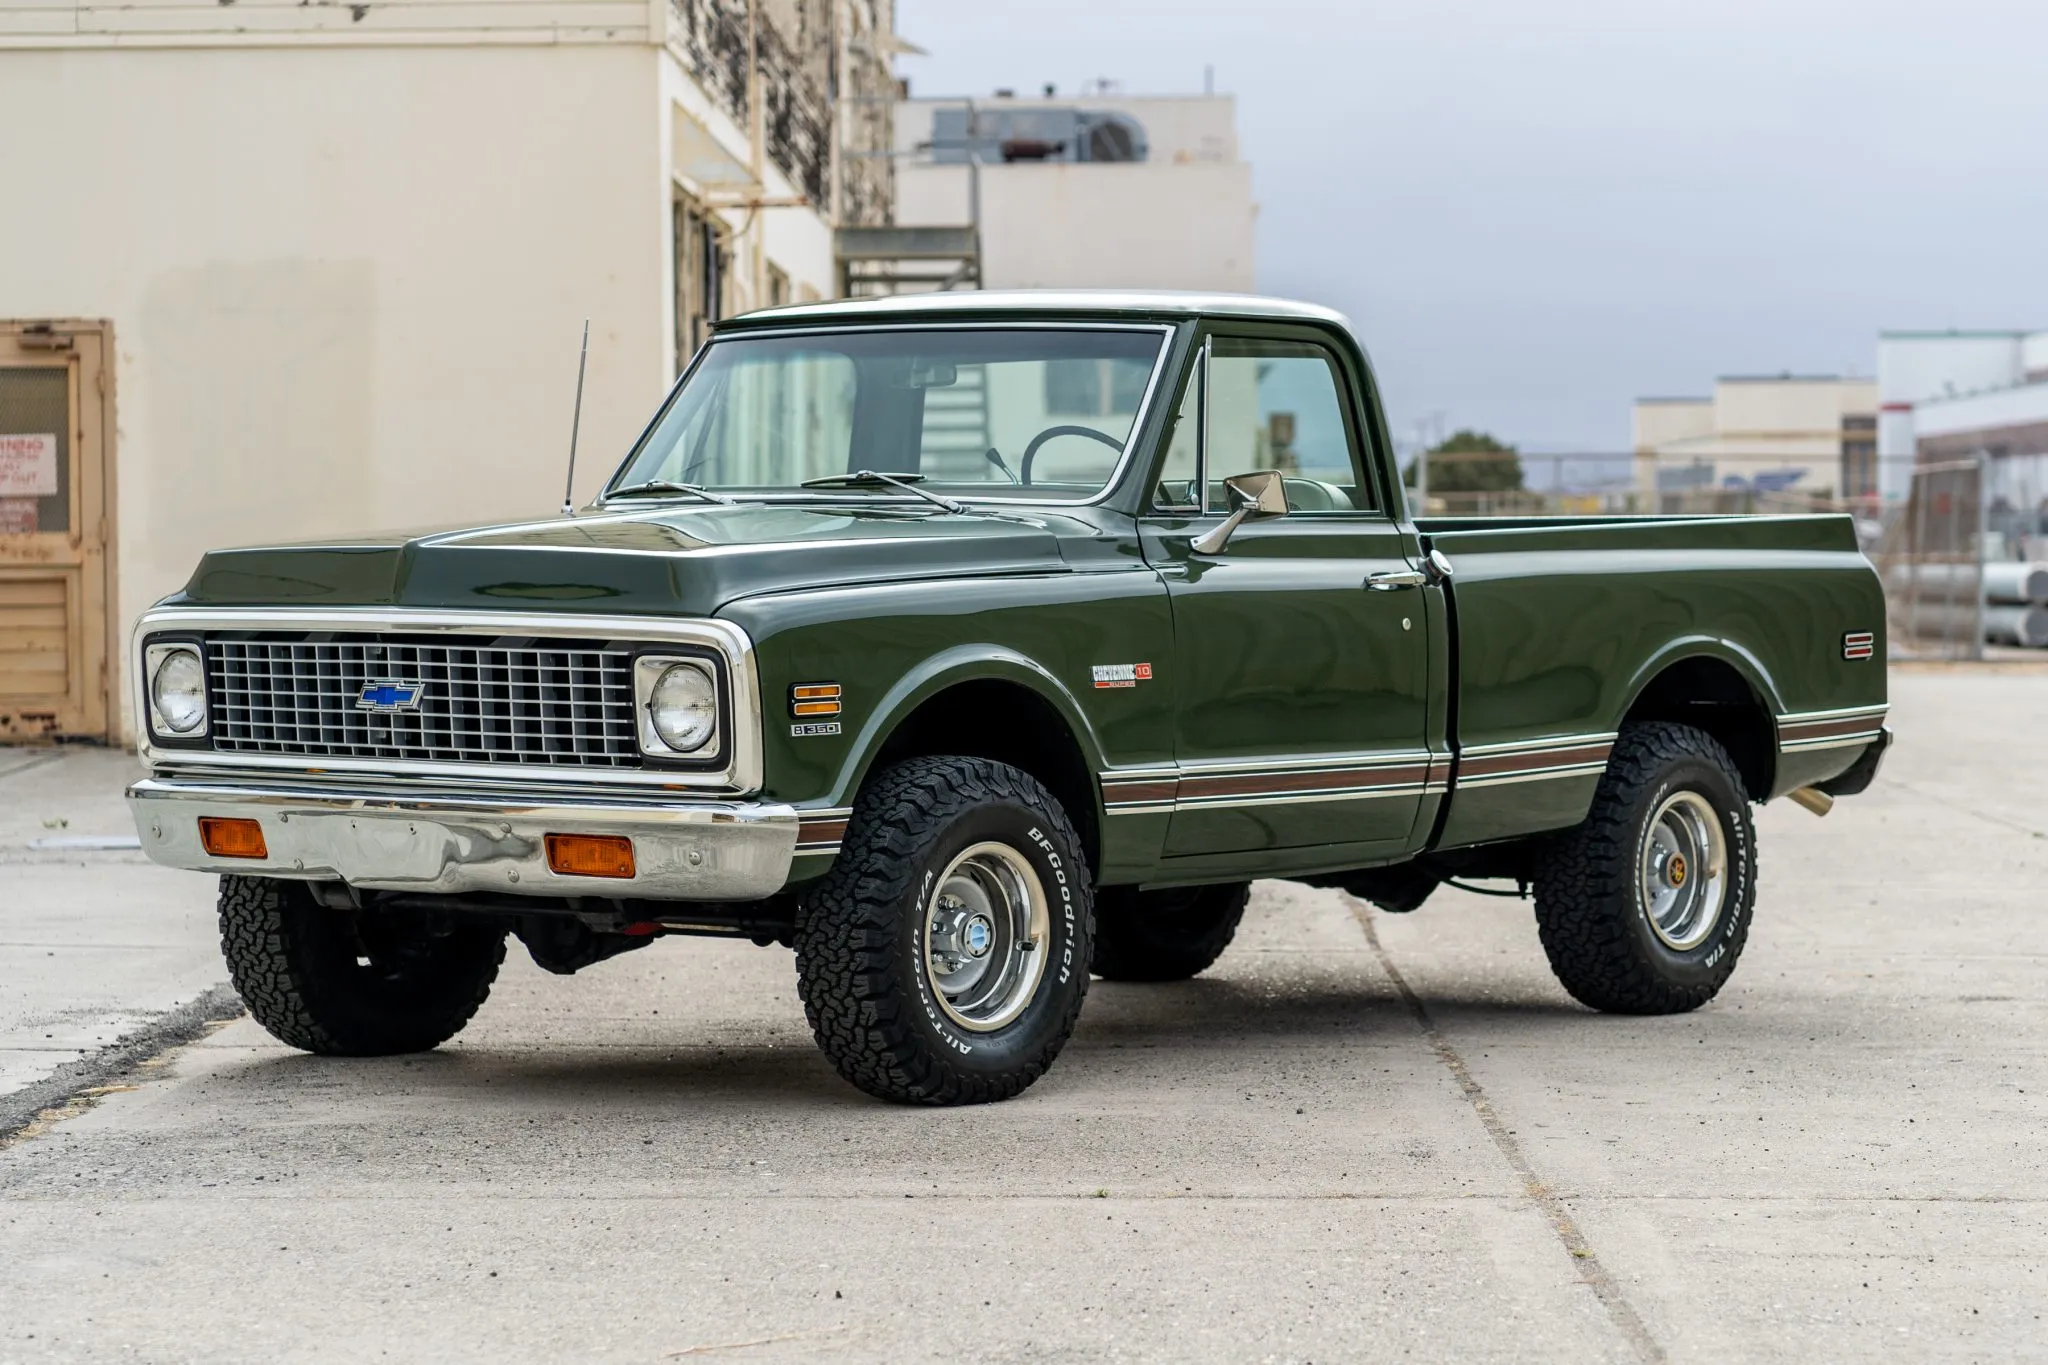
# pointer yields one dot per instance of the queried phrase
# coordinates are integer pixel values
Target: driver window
(1280, 405)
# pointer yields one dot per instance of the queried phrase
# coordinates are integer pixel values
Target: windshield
(1003, 412)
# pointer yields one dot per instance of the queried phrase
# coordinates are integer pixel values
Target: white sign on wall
(28, 465)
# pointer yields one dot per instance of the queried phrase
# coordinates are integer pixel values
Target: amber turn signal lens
(814, 699)
(223, 838)
(590, 855)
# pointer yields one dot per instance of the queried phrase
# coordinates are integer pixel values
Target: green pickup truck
(972, 644)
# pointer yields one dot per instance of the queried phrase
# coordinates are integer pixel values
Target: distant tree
(1469, 473)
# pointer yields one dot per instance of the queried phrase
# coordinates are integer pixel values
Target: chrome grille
(566, 702)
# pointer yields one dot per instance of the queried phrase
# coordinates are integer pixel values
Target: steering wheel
(1031, 451)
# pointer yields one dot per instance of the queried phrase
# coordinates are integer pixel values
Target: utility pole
(1983, 535)
(840, 95)
(974, 175)
(757, 153)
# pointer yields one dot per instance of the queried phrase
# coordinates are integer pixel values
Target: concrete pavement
(1359, 1137)
(95, 943)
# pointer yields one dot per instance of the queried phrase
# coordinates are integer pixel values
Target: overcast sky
(1536, 212)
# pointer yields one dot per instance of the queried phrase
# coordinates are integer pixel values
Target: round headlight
(179, 691)
(683, 707)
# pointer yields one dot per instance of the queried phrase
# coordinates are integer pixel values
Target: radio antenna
(575, 421)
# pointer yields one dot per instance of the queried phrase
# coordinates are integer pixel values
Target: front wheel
(352, 983)
(944, 958)
(1645, 907)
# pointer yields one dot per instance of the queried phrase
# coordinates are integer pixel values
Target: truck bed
(1559, 625)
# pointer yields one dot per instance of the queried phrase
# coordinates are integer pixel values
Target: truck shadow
(1257, 1006)
(775, 1064)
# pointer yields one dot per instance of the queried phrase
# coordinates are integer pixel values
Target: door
(1300, 694)
(55, 509)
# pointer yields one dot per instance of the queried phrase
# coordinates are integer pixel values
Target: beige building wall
(1750, 426)
(1657, 422)
(1765, 409)
(347, 256)
(1115, 226)
(361, 308)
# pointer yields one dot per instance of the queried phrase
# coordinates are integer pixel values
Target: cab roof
(1120, 304)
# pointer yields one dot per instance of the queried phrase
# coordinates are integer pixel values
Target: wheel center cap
(1675, 870)
(977, 936)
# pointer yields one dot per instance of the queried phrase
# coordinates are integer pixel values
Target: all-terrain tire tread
(1585, 893)
(277, 983)
(846, 938)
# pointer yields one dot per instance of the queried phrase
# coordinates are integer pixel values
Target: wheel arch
(1720, 688)
(988, 701)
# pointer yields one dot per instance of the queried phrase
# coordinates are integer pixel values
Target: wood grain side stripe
(1534, 760)
(1337, 781)
(821, 831)
(1830, 730)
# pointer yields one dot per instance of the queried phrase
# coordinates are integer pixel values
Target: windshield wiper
(868, 478)
(665, 486)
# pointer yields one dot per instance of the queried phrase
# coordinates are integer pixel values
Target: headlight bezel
(648, 669)
(155, 656)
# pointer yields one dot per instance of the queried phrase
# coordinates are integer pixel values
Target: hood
(689, 559)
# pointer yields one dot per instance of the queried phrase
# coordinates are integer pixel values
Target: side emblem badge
(1859, 644)
(388, 697)
(814, 699)
(1122, 675)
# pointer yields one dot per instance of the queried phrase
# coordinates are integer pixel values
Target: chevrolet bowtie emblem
(389, 696)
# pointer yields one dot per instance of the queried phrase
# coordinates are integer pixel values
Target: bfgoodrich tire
(1644, 908)
(349, 983)
(1166, 935)
(944, 958)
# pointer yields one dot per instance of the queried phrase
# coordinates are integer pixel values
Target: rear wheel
(352, 983)
(943, 959)
(1167, 935)
(1645, 907)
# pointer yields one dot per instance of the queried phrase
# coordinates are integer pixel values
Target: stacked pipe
(2015, 601)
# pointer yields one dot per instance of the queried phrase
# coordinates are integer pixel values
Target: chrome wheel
(1684, 871)
(986, 931)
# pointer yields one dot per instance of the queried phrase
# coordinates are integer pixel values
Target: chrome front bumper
(699, 850)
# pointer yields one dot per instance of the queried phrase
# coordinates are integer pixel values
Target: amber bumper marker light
(590, 855)
(225, 838)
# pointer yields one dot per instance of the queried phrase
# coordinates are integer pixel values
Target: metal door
(56, 507)
(1301, 665)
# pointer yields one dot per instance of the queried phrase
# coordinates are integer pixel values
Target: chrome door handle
(1391, 579)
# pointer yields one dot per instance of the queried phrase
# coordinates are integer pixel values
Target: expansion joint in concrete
(1592, 1272)
(74, 1086)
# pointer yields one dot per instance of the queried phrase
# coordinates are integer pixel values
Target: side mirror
(1254, 497)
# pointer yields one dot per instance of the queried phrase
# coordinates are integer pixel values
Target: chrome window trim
(1110, 485)
(741, 775)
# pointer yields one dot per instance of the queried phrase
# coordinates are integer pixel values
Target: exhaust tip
(1813, 799)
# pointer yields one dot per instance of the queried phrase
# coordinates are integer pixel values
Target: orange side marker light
(225, 838)
(590, 855)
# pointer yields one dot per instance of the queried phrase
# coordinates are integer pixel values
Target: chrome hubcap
(986, 931)
(1684, 871)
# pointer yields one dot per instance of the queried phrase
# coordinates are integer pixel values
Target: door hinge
(43, 336)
